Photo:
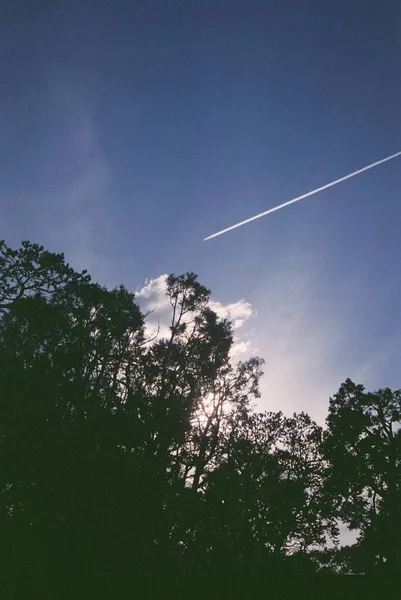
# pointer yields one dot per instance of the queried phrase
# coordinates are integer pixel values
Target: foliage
(363, 445)
(119, 452)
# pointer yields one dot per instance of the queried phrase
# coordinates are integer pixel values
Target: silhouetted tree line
(123, 457)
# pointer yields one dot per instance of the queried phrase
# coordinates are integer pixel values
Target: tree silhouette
(31, 269)
(123, 456)
(363, 446)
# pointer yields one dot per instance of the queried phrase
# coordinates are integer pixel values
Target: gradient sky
(130, 130)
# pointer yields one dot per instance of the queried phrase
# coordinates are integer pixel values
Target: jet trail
(298, 198)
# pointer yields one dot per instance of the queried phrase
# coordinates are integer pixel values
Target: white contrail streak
(298, 198)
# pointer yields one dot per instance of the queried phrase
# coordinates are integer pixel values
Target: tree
(31, 270)
(363, 445)
(101, 434)
(120, 452)
(188, 389)
(60, 413)
(265, 501)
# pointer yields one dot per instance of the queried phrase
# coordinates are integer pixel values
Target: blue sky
(130, 130)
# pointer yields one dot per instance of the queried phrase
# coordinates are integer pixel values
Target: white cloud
(240, 348)
(238, 312)
(152, 297)
(153, 294)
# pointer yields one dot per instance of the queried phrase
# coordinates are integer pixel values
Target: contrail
(298, 198)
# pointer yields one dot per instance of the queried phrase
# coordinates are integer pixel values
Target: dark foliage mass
(125, 459)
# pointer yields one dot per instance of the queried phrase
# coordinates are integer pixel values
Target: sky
(131, 130)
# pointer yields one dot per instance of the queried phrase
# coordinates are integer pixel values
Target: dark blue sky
(131, 130)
